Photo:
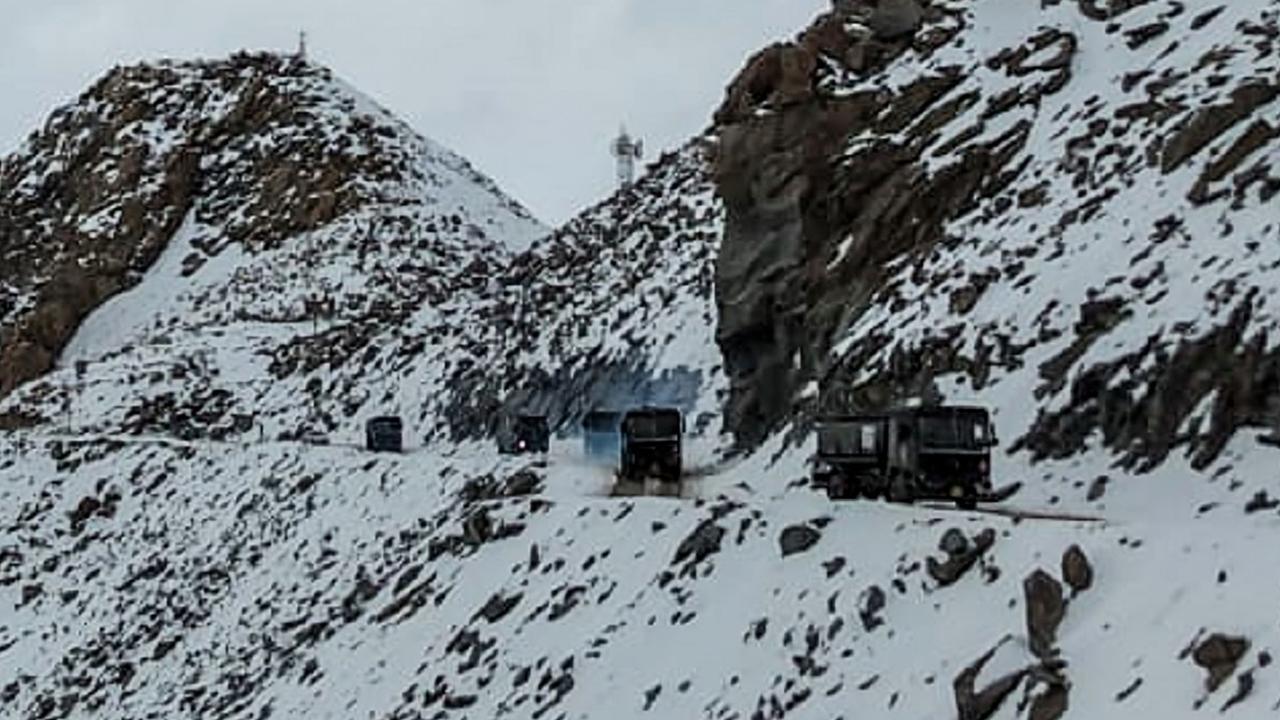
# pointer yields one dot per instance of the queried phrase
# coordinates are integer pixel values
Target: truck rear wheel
(901, 488)
(835, 487)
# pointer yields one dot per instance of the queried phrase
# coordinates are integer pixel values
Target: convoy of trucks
(901, 454)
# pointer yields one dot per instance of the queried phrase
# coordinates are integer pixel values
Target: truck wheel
(900, 488)
(875, 487)
(835, 487)
(853, 488)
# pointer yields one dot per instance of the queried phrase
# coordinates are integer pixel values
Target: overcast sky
(531, 91)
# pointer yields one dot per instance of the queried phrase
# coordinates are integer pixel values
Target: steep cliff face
(786, 123)
(1060, 210)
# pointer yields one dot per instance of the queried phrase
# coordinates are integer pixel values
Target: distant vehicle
(600, 434)
(938, 453)
(524, 434)
(384, 434)
(651, 444)
(314, 437)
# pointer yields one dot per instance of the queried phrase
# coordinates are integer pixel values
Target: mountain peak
(251, 154)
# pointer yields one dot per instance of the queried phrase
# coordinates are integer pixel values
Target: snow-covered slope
(158, 579)
(1119, 264)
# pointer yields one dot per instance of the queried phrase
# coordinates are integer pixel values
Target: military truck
(384, 434)
(520, 434)
(907, 454)
(651, 444)
(600, 435)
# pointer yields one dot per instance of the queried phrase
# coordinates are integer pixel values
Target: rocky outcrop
(788, 196)
(1219, 655)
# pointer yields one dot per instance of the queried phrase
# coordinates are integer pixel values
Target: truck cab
(651, 444)
(384, 434)
(601, 438)
(521, 434)
(905, 454)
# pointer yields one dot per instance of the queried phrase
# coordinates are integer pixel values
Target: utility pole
(626, 150)
(82, 368)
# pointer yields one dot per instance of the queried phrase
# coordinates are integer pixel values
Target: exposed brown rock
(90, 157)
(1045, 609)
(1052, 704)
(1076, 569)
(1219, 655)
(797, 539)
(960, 558)
(892, 19)
(779, 76)
(1210, 123)
(974, 704)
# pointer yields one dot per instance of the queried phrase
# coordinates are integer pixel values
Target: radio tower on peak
(626, 150)
(302, 44)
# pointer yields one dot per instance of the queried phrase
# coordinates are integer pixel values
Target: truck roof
(648, 410)
(899, 412)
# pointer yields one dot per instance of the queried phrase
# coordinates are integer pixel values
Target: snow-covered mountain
(296, 189)
(1013, 205)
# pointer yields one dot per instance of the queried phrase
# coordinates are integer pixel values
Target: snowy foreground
(159, 579)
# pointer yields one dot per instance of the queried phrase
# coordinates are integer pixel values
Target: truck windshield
(531, 427)
(847, 438)
(959, 430)
(653, 427)
(601, 422)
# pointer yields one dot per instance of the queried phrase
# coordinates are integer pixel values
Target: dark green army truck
(908, 454)
(651, 444)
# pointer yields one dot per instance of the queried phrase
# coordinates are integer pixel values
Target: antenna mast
(302, 44)
(626, 150)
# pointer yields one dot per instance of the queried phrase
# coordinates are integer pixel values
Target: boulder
(1076, 569)
(798, 539)
(954, 542)
(873, 601)
(703, 542)
(1219, 655)
(1045, 609)
(962, 555)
